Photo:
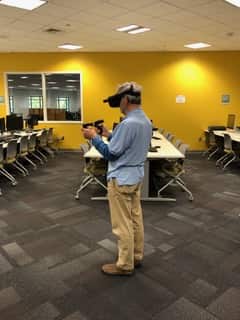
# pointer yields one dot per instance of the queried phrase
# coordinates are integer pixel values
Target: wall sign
(180, 99)
(225, 99)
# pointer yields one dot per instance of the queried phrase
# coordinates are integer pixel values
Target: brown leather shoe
(137, 264)
(113, 270)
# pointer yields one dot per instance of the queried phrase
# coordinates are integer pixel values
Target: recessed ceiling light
(139, 30)
(22, 87)
(197, 45)
(10, 87)
(23, 4)
(55, 88)
(10, 80)
(24, 77)
(35, 84)
(71, 80)
(52, 82)
(234, 2)
(128, 28)
(70, 46)
(70, 87)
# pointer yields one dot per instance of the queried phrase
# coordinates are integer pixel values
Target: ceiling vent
(53, 30)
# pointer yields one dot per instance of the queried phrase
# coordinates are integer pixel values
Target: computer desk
(166, 151)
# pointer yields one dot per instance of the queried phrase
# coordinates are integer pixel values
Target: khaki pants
(127, 222)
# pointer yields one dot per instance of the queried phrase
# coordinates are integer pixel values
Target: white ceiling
(92, 23)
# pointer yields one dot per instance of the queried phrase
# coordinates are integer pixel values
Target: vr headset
(115, 100)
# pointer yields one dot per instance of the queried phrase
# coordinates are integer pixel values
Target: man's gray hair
(135, 87)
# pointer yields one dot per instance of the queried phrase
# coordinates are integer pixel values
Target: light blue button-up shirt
(128, 148)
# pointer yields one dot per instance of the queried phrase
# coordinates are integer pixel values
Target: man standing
(126, 153)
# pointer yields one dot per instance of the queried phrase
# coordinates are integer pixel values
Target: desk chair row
(31, 149)
(226, 150)
(173, 170)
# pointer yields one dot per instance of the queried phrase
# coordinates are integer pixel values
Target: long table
(17, 136)
(166, 150)
(235, 135)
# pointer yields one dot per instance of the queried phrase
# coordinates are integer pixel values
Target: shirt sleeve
(103, 148)
(120, 142)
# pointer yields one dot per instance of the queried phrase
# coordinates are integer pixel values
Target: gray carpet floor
(52, 248)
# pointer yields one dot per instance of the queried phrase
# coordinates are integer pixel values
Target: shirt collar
(133, 112)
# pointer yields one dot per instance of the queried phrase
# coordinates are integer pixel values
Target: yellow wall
(202, 77)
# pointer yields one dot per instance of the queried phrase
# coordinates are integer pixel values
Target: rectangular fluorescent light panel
(198, 45)
(128, 28)
(23, 4)
(139, 30)
(69, 46)
(234, 2)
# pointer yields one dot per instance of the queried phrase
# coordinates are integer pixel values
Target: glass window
(63, 103)
(57, 93)
(63, 97)
(21, 87)
(35, 102)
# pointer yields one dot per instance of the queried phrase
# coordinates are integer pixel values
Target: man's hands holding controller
(91, 132)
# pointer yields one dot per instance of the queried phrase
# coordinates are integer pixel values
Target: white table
(166, 151)
(235, 135)
(18, 135)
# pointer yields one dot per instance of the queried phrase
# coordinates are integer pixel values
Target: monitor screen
(14, 122)
(33, 120)
(231, 121)
(2, 125)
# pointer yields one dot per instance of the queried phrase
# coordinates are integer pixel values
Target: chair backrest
(43, 138)
(84, 147)
(211, 138)
(50, 135)
(11, 151)
(23, 145)
(170, 137)
(227, 142)
(184, 148)
(1, 153)
(177, 143)
(167, 134)
(161, 130)
(32, 141)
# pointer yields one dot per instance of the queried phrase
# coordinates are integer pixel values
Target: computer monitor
(32, 120)
(231, 121)
(2, 125)
(14, 122)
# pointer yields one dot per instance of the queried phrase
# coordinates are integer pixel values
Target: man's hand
(89, 133)
(105, 132)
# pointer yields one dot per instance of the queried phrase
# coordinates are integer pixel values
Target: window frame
(44, 93)
(11, 103)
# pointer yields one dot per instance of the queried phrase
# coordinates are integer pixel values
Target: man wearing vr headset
(126, 153)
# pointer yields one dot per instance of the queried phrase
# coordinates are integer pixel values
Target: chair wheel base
(76, 197)
(14, 183)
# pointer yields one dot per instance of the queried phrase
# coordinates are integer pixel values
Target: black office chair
(212, 146)
(8, 158)
(172, 171)
(93, 170)
(229, 154)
